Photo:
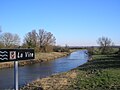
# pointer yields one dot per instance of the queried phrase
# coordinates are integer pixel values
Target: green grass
(102, 73)
(99, 79)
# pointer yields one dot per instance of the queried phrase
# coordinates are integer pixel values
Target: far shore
(39, 57)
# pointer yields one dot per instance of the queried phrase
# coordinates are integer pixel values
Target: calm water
(32, 72)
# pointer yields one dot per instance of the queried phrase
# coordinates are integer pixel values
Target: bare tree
(42, 40)
(10, 40)
(41, 37)
(105, 44)
(31, 39)
(46, 40)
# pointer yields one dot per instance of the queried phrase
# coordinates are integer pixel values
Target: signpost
(7, 55)
(15, 55)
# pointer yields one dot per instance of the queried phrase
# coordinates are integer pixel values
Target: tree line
(42, 40)
(105, 46)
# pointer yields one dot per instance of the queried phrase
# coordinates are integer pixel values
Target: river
(32, 72)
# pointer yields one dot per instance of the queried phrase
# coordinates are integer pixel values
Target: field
(102, 73)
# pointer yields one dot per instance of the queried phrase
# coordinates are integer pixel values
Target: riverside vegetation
(101, 73)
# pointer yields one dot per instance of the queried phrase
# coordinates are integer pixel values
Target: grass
(49, 56)
(99, 79)
(55, 82)
(102, 62)
(102, 73)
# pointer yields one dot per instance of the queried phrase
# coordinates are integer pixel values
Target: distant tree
(30, 39)
(1, 45)
(91, 50)
(9, 40)
(66, 48)
(105, 44)
(42, 41)
(46, 40)
(61, 48)
(41, 38)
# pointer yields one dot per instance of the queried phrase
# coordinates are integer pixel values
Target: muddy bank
(61, 81)
(39, 57)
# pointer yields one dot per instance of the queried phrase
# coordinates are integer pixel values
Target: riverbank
(54, 82)
(102, 73)
(39, 57)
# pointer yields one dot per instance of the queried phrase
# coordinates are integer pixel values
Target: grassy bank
(54, 82)
(39, 57)
(101, 73)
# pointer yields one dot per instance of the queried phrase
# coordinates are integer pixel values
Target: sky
(72, 22)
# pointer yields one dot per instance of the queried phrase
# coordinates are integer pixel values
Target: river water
(29, 73)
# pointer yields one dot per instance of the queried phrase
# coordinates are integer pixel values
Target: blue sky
(73, 22)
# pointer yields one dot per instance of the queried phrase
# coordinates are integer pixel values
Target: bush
(60, 49)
